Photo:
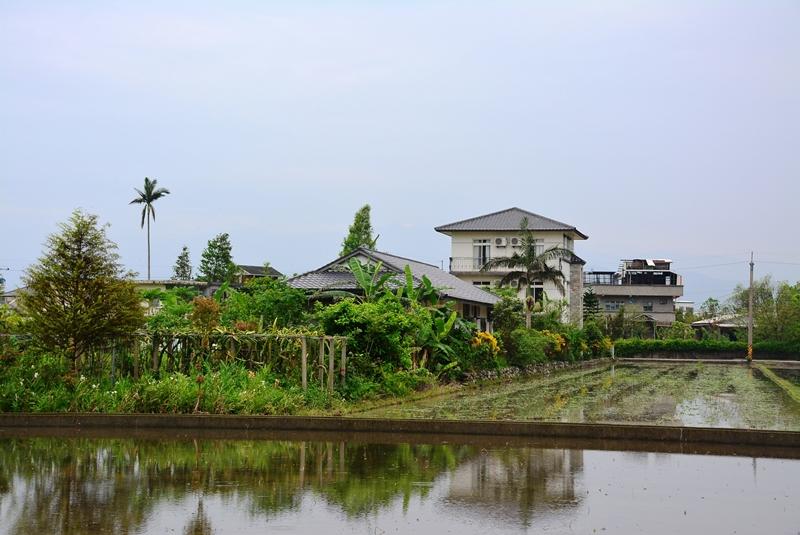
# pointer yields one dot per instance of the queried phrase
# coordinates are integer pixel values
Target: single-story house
(728, 325)
(471, 302)
(10, 298)
(246, 273)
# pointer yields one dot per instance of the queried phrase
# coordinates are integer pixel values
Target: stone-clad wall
(576, 294)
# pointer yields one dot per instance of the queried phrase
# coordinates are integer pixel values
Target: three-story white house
(476, 240)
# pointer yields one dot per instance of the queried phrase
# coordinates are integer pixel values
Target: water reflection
(202, 486)
(113, 486)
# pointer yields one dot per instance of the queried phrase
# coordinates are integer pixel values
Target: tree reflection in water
(65, 486)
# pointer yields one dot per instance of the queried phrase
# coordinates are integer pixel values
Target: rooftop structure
(640, 285)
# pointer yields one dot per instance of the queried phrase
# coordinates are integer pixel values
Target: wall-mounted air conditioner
(515, 242)
(499, 242)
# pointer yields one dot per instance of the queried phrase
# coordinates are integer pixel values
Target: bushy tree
(360, 232)
(216, 264)
(507, 314)
(265, 301)
(183, 266)
(78, 296)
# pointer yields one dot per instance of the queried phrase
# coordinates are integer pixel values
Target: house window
(613, 306)
(663, 301)
(482, 283)
(568, 243)
(480, 253)
(648, 306)
(538, 246)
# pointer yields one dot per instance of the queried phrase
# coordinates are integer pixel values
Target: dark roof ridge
(527, 212)
(404, 258)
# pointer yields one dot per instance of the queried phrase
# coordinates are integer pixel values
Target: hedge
(635, 346)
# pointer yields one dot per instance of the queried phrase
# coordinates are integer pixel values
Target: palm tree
(147, 198)
(527, 266)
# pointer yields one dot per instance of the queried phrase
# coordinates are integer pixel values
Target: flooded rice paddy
(696, 394)
(199, 486)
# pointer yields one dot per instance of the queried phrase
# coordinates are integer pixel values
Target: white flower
(36, 375)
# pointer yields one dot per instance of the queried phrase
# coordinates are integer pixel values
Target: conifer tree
(216, 264)
(360, 232)
(78, 295)
(591, 305)
(183, 266)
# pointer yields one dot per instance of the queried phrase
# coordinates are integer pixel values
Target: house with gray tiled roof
(471, 301)
(474, 241)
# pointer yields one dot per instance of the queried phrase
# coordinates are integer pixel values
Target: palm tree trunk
(148, 246)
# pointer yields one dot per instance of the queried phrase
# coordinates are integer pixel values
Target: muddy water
(710, 395)
(65, 486)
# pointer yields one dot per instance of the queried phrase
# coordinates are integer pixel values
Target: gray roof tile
(330, 277)
(508, 220)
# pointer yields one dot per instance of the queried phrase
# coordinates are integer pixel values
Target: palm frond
(512, 276)
(512, 261)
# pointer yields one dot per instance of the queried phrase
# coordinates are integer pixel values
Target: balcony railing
(607, 280)
(465, 264)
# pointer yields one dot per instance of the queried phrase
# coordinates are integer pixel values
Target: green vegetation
(642, 347)
(182, 270)
(360, 232)
(216, 263)
(671, 394)
(792, 390)
(78, 297)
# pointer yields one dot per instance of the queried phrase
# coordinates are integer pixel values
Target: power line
(711, 265)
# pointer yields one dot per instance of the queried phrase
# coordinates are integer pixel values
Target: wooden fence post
(304, 365)
(330, 364)
(136, 352)
(343, 366)
(154, 355)
(321, 365)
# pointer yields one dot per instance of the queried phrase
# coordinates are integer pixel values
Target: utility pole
(750, 314)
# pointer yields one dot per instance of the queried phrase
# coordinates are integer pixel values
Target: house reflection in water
(518, 484)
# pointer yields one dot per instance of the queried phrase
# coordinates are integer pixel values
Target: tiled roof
(259, 271)
(332, 277)
(508, 220)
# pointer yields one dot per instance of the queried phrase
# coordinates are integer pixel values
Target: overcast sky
(659, 129)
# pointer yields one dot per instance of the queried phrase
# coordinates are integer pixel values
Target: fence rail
(306, 357)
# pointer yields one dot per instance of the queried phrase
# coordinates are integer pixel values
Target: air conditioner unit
(499, 242)
(514, 283)
(515, 242)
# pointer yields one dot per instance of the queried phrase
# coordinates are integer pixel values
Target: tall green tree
(360, 232)
(182, 270)
(591, 305)
(216, 264)
(527, 265)
(147, 197)
(78, 296)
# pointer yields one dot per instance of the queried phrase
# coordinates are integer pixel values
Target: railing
(462, 264)
(602, 280)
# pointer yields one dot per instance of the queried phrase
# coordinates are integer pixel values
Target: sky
(659, 129)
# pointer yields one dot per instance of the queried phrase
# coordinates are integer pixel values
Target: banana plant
(370, 279)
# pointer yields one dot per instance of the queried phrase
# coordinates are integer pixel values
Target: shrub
(379, 332)
(403, 382)
(526, 346)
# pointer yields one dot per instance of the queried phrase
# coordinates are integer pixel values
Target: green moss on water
(676, 394)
